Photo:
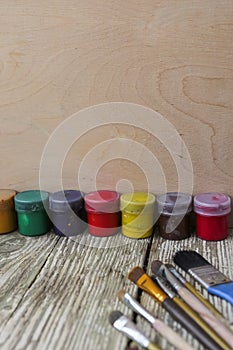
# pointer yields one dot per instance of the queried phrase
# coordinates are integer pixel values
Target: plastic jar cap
(102, 201)
(212, 204)
(61, 201)
(7, 198)
(137, 201)
(174, 203)
(32, 200)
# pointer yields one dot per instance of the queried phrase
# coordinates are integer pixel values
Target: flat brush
(157, 324)
(124, 325)
(202, 312)
(166, 287)
(194, 291)
(202, 299)
(143, 281)
(206, 274)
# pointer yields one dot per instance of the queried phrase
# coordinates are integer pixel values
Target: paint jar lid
(7, 199)
(62, 201)
(212, 204)
(174, 203)
(32, 200)
(137, 201)
(102, 201)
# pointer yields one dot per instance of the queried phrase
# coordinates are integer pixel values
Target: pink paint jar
(212, 211)
(103, 213)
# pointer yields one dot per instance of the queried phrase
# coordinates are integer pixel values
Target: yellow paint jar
(8, 218)
(137, 210)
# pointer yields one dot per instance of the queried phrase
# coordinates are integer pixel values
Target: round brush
(143, 281)
(124, 325)
(157, 324)
(212, 325)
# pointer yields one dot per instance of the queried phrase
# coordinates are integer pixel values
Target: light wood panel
(174, 57)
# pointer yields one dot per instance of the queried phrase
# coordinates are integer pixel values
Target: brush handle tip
(224, 291)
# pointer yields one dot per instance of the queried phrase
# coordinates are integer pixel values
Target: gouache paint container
(103, 215)
(137, 210)
(32, 216)
(8, 218)
(174, 220)
(212, 211)
(67, 212)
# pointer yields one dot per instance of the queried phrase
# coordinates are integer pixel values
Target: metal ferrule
(172, 279)
(147, 284)
(208, 276)
(165, 286)
(137, 307)
(176, 273)
(126, 326)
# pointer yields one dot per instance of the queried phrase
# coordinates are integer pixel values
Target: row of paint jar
(105, 212)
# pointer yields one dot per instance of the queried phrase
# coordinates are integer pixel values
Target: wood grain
(57, 293)
(174, 57)
(63, 295)
(218, 253)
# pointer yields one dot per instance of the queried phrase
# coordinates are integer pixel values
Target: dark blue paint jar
(67, 212)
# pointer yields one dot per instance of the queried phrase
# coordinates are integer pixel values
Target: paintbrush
(206, 274)
(124, 325)
(202, 299)
(196, 293)
(208, 330)
(157, 324)
(225, 334)
(143, 281)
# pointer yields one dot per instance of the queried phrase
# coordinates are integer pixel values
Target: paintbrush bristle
(135, 274)
(113, 316)
(188, 259)
(121, 295)
(156, 266)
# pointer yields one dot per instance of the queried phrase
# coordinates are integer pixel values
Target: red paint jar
(102, 209)
(212, 211)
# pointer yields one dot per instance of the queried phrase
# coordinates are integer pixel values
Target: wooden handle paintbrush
(199, 296)
(124, 325)
(143, 281)
(166, 287)
(219, 328)
(157, 324)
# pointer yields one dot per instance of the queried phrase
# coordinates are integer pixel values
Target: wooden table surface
(57, 293)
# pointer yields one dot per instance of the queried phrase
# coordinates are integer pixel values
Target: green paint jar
(31, 212)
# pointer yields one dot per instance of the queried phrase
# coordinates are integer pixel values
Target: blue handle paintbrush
(206, 274)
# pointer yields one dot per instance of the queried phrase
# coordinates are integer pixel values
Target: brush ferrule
(208, 275)
(177, 275)
(165, 287)
(175, 283)
(126, 326)
(146, 283)
(137, 307)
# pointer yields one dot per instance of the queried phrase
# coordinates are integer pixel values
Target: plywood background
(173, 56)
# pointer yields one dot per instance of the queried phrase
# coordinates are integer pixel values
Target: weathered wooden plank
(67, 304)
(66, 290)
(21, 259)
(219, 254)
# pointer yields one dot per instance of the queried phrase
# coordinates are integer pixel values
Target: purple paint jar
(67, 212)
(174, 209)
